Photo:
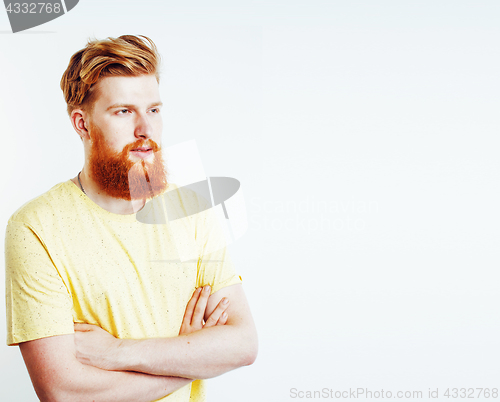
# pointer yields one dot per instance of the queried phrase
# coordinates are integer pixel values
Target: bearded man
(101, 305)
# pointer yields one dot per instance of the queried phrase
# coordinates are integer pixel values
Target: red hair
(127, 55)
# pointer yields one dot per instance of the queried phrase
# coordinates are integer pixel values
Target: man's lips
(142, 149)
(142, 152)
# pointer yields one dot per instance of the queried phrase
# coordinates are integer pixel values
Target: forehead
(141, 90)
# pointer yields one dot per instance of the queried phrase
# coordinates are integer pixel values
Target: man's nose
(143, 128)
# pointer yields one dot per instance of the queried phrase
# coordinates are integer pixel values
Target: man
(101, 305)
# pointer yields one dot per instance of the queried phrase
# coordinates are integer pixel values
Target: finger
(223, 319)
(201, 305)
(190, 306)
(217, 313)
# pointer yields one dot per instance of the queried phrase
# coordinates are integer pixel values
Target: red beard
(119, 177)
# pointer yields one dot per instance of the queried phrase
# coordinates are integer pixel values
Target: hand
(95, 346)
(195, 312)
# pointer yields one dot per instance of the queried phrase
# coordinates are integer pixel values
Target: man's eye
(122, 111)
(155, 110)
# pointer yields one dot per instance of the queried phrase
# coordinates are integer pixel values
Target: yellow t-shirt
(68, 260)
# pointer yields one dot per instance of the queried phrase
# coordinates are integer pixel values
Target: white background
(365, 136)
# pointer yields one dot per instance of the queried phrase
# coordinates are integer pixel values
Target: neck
(110, 204)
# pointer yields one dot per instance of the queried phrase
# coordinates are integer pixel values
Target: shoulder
(52, 203)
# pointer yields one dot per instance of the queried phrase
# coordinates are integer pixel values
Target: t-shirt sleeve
(215, 267)
(38, 303)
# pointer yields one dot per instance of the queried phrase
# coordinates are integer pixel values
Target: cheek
(117, 140)
(116, 144)
(157, 130)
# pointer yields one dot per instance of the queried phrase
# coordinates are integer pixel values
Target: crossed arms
(93, 365)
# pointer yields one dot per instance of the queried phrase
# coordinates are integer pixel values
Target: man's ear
(79, 120)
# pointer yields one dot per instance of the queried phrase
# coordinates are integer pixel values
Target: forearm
(94, 384)
(57, 375)
(202, 354)
(200, 351)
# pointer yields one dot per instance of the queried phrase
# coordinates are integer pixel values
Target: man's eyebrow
(129, 106)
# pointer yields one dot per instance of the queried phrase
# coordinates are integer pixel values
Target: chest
(128, 280)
